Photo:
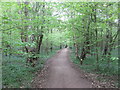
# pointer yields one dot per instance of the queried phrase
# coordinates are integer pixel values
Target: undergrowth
(16, 74)
(89, 66)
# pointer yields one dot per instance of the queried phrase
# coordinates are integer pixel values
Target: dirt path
(61, 74)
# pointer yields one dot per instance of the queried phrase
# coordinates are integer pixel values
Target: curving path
(61, 74)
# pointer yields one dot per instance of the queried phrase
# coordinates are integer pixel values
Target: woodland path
(61, 74)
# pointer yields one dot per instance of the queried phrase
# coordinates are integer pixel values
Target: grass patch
(89, 64)
(16, 74)
(104, 73)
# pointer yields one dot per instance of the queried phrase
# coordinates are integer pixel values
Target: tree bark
(39, 43)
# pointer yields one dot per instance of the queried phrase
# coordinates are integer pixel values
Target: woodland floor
(60, 72)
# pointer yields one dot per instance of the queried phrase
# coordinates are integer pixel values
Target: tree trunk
(39, 43)
(96, 33)
(83, 55)
(77, 51)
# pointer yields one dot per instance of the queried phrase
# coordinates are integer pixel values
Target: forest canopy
(89, 29)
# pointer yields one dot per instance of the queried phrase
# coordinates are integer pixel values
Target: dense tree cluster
(87, 28)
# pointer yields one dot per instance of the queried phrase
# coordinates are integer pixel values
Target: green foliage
(89, 64)
(16, 74)
(90, 25)
(14, 70)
